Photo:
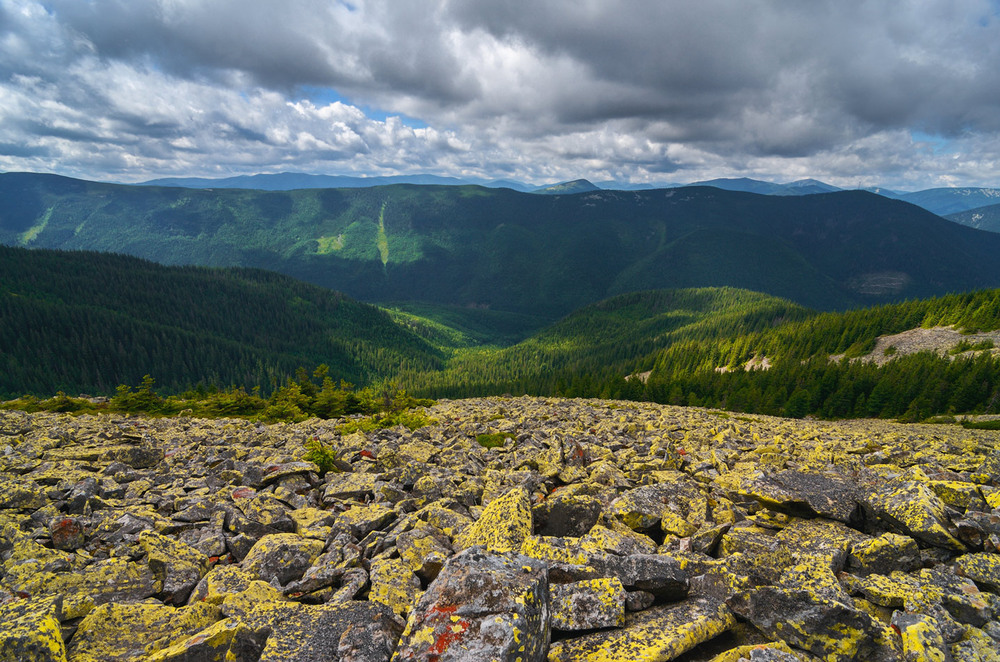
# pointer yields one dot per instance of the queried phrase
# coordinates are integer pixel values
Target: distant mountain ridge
(498, 249)
(944, 201)
(746, 185)
(568, 188)
(982, 218)
(941, 201)
(289, 181)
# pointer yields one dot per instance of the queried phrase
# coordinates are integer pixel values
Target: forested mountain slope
(509, 251)
(78, 321)
(745, 351)
(982, 218)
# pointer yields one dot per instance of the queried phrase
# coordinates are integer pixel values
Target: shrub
(323, 456)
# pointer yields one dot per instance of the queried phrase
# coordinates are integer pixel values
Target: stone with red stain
(244, 493)
(67, 533)
(482, 606)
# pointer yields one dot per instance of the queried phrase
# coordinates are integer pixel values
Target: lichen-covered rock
(312, 522)
(984, 569)
(503, 525)
(29, 631)
(658, 574)
(806, 494)
(19, 494)
(111, 580)
(67, 533)
(975, 646)
(224, 641)
(884, 554)
(827, 628)
(178, 567)
(282, 557)
(315, 633)
(915, 510)
(569, 515)
(117, 632)
(394, 585)
(587, 604)
(137, 457)
(658, 633)
(672, 506)
(360, 520)
(349, 485)
(269, 514)
(921, 638)
(617, 538)
(482, 605)
(744, 505)
(219, 582)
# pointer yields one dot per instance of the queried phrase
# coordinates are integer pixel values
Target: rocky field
(596, 531)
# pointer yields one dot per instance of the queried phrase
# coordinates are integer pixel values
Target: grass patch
(327, 245)
(941, 420)
(966, 346)
(412, 420)
(31, 233)
(492, 440)
(981, 425)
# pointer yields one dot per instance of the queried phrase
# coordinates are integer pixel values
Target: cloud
(622, 89)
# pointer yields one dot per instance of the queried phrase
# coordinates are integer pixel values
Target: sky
(903, 95)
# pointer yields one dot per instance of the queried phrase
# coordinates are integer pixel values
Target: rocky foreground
(598, 531)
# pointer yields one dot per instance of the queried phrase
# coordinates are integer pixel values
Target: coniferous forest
(77, 322)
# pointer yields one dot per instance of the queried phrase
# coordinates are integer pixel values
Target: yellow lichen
(503, 526)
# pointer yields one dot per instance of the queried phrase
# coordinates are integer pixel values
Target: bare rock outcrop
(600, 530)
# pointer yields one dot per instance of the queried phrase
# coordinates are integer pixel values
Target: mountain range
(941, 201)
(511, 252)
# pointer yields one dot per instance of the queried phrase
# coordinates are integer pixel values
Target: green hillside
(474, 248)
(603, 342)
(87, 322)
(693, 347)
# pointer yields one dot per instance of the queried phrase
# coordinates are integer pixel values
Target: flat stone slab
(656, 634)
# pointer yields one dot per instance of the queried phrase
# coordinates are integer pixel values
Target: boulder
(806, 494)
(281, 557)
(503, 525)
(829, 629)
(658, 633)
(150, 628)
(224, 640)
(29, 631)
(483, 605)
(588, 604)
(178, 567)
(915, 510)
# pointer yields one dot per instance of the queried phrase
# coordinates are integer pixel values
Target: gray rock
(481, 606)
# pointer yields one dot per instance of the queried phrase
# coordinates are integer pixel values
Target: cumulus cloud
(845, 91)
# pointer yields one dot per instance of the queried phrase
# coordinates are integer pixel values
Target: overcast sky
(900, 94)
